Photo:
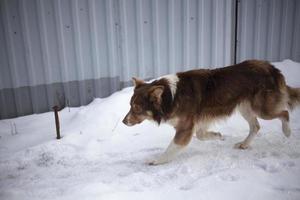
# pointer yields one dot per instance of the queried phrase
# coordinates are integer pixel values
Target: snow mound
(99, 158)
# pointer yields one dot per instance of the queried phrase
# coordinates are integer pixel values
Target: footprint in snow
(150, 149)
(294, 155)
(267, 168)
(287, 189)
(275, 154)
(229, 177)
(288, 164)
(45, 159)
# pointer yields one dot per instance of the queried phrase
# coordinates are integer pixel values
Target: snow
(100, 158)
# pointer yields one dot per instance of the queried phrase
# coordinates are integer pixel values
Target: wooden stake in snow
(55, 108)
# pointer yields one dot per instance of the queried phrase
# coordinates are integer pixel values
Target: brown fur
(205, 95)
(294, 97)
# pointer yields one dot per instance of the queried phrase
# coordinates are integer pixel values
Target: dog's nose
(125, 121)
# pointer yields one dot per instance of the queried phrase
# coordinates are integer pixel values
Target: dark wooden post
(55, 108)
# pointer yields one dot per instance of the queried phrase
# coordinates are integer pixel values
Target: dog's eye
(137, 109)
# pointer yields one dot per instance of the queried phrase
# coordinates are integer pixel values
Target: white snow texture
(100, 158)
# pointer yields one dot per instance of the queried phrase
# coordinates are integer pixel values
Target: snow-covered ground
(100, 158)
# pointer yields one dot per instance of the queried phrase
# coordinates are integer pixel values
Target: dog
(190, 101)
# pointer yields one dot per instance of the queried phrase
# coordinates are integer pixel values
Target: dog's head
(145, 102)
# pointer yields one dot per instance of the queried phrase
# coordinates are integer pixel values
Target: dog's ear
(137, 81)
(155, 94)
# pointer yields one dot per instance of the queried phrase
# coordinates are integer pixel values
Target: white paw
(210, 136)
(241, 145)
(286, 130)
(218, 135)
(156, 162)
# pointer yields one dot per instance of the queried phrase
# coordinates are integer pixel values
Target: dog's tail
(294, 97)
(292, 93)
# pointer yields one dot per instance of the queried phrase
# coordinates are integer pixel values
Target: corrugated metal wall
(66, 52)
(70, 51)
(269, 30)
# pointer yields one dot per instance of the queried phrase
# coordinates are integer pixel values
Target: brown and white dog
(190, 101)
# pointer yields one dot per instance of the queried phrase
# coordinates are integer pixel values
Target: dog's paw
(286, 130)
(151, 163)
(155, 162)
(210, 136)
(218, 135)
(241, 145)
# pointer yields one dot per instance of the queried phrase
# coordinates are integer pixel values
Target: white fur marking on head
(172, 79)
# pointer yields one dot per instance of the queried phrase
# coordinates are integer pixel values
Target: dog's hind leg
(203, 134)
(285, 117)
(250, 117)
(273, 105)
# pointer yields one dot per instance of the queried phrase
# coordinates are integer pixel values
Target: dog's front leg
(181, 140)
(172, 150)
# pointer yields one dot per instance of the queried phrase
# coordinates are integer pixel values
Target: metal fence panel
(269, 30)
(67, 52)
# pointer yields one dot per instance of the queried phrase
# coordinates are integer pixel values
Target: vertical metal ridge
(200, 32)
(4, 85)
(277, 55)
(116, 36)
(124, 41)
(244, 32)
(140, 39)
(213, 33)
(77, 43)
(270, 31)
(8, 38)
(171, 36)
(224, 23)
(94, 38)
(214, 49)
(237, 48)
(110, 34)
(296, 32)
(293, 21)
(4, 110)
(44, 48)
(10, 53)
(44, 43)
(283, 37)
(257, 25)
(28, 56)
(77, 39)
(229, 35)
(211, 28)
(294, 18)
(27, 44)
(61, 49)
(61, 42)
(156, 51)
(254, 33)
(13, 59)
(186, 34)
(95, 45)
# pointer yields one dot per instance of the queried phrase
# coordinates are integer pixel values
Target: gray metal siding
(269, 30)
(67, 52)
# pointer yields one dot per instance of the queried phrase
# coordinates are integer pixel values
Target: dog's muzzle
(126, 121)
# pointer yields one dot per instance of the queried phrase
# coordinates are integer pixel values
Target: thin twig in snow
(116, 125)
